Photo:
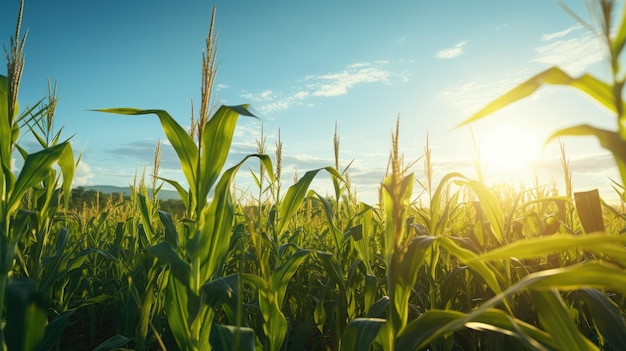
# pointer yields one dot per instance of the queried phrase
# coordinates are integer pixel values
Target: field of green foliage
(285, 268)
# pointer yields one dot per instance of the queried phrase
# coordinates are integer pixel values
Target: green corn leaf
(295, 196)
(112, 343)
(541, 246)
(328, 211)
(439, 217)
(217, 136)
(5, 127)
(417, 333)
(145, 208)
(166, 254)
(598, 90)
(360, 333)
(171, 234)
(25, 317)
(556, 320)
(181, 141)
(54, 331)
(228, 337)
(221, 290)
(216, 225)
(590, 274)
(617, 44)
(37, 167)
(282, 274)
(491, 206)
(607, 318)
(52, 263)
(319, 315)
(177, 300)
(333, 270)
(379, 308)
(470, 258)
(182, 193)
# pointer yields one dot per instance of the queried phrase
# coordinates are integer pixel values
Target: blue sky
(306, 66)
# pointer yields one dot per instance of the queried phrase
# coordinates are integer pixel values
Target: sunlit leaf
(181, 141)
(217, 136)
(295, 196)
(598, 90)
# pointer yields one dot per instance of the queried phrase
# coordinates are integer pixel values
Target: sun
(508, 152)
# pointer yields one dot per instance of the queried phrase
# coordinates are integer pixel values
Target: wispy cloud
(555, 35)
(570, 50)
(338, 83)
(452, 52)
(324, 85)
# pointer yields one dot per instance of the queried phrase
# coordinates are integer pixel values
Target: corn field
(473, 267)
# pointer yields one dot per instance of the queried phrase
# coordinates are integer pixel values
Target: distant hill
(110, 189)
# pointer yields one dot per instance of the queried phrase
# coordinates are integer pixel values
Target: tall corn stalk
(195, 256)
(37, 168)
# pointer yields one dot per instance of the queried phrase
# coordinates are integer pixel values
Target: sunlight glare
(509, 152)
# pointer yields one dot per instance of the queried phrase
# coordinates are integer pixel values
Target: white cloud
(265, 95)
(221, 87)
(550, 36)
(325, 85)
(301, 94)
(83, 174)
(358, 65)
(339, 83)
(572, 54)
(452, 52)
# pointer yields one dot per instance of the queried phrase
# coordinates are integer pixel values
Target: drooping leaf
(36, 168)
(607, 318)
(181, 141)
(166, 254)
(114, 342)
(295, 196)
(217, 136)
(598, 90)
(221, 290)
(541, 246)
(360, 333)
(417, 334)
(228, 337)
(556, 320)
(609, 140)
(54, 330)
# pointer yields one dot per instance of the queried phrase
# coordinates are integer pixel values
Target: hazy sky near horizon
(308, 66)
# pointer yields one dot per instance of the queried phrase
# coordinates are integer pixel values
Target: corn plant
(37, 175)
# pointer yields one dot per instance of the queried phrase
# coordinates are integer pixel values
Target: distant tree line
(82, 198)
